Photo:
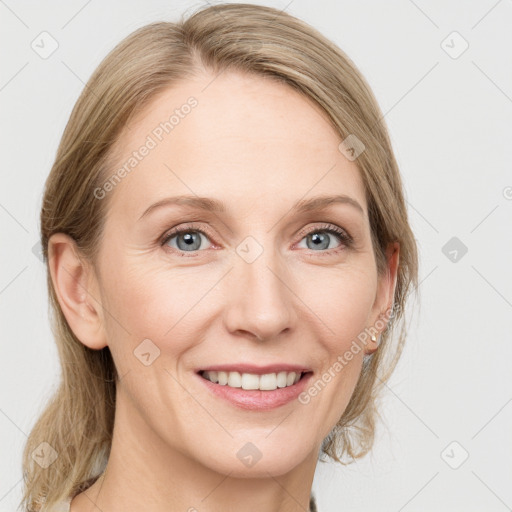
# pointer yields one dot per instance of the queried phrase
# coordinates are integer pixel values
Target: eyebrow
(213, 205)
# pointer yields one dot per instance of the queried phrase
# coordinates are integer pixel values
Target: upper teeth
(267, 382)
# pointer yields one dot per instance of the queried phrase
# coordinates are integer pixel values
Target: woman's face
(256, 282)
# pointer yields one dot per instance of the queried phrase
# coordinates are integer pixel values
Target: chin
(256, 459)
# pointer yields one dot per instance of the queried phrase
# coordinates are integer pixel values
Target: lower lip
(256, 399)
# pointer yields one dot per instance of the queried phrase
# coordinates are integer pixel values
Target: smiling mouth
(251, 381)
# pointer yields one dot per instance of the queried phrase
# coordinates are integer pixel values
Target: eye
(185, 239)
(319, 238)
(188, 239)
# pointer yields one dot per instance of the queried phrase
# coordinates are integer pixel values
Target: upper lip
(258, 370)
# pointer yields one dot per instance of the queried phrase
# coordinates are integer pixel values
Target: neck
(145, 473)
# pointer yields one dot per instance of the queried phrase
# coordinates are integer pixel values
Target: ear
(380, 314)
(77, 291)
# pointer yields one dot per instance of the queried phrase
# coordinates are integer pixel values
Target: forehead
(246, 138)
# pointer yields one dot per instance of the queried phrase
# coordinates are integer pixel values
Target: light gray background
(450, 122)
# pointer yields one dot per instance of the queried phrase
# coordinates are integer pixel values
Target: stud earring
(374, 338)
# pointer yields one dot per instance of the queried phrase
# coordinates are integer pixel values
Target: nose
(261, 302)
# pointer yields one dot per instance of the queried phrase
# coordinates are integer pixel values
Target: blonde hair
(78, 421)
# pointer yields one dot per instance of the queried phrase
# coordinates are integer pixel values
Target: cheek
(342, 299)
(160, 303)
(343, 305)
(167, 302)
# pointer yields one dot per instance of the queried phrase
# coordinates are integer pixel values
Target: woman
(228, 254)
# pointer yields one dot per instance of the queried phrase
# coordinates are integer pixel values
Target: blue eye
(321, 238)
(187, 239)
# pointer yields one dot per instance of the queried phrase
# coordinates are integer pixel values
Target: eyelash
(344, 237)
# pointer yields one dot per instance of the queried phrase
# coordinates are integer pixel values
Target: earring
(373, 338)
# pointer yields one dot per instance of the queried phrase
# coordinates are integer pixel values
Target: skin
(258, 146)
